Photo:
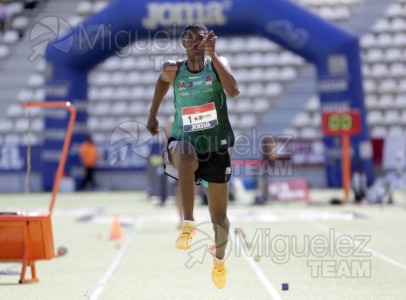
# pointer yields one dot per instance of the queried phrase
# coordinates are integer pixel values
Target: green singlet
(201, 110)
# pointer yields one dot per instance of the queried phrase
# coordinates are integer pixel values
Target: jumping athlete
(201, 135)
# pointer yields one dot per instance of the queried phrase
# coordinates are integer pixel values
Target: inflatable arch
(333, 51)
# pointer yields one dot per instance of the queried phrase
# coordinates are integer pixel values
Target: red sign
(340, 122)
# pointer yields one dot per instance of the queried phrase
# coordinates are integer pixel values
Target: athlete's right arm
(165, 79)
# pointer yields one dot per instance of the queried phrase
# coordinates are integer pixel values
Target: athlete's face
(194, 42)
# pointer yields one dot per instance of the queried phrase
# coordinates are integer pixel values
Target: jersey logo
(208, 80)
(181, 85)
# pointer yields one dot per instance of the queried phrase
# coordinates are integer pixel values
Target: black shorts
(213, 166)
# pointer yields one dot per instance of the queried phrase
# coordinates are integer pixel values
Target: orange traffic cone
(115, 233)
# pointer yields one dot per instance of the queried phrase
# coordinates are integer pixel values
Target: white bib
(199, 117)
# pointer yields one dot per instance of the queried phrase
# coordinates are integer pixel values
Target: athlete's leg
(86, 179)
(217, 194)
(179, 204)
(183, 157)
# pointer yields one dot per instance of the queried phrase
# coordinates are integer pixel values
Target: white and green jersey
(201, 115)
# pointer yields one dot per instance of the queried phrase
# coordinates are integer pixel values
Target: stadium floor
(320, 251)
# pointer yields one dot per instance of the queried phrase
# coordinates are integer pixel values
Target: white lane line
(261, 276)
(370, 250)
(113, 267)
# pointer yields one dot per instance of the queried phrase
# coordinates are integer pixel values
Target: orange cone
(115, 233)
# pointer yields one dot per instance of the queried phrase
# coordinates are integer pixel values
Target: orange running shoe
(184, 240)
(219, 273)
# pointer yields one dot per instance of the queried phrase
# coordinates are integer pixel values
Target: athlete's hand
(210, 43)
(153, 125)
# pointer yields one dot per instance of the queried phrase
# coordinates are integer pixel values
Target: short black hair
(197, 26)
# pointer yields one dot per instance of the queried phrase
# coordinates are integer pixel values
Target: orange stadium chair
(27, 236)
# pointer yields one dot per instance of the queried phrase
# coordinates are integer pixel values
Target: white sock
(219, 260)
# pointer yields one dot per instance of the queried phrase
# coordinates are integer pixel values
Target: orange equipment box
(27, 236)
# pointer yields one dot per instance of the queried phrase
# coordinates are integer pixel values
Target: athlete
(201, 135)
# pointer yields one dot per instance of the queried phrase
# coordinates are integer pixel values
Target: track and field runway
(320, 251)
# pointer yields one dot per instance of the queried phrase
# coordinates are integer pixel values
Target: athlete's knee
(186, 152)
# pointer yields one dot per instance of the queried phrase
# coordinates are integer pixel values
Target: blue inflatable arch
(334, 52)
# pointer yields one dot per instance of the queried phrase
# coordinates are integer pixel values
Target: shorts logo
(228, 170)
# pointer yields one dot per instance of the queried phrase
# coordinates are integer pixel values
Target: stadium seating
(16, 21)
(384, 70)
(262, 68)
(122, 87)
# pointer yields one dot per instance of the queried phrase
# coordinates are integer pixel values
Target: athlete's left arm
(222, 67)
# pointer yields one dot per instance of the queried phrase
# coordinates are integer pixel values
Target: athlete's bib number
(200, 117)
